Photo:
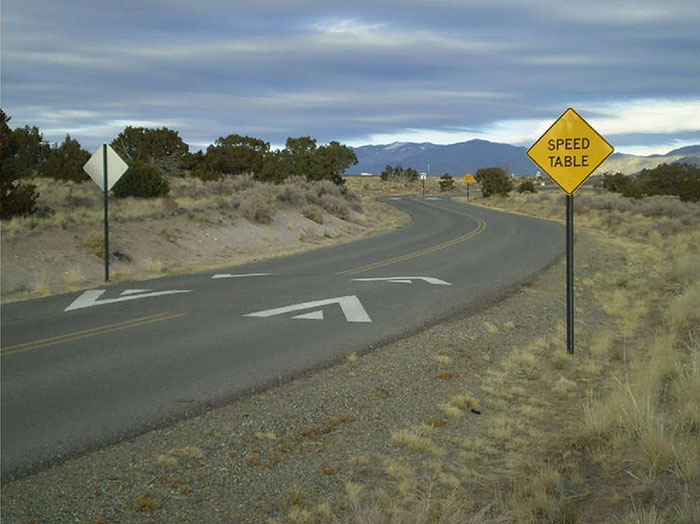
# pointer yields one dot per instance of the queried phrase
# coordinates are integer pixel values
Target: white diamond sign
(96, 165)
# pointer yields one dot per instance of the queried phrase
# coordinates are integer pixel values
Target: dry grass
(442, 359)
(95, 245)
(189, 452)
(146, 503)
(465, 401)
(611, 434)
(451, 411)
(490, 328)
(416, 439)
(166, 460)
(41, 285)
(65, 205)
(564, 386)
(297, 495)
(153, 265)
(313, 214)
(75, 276)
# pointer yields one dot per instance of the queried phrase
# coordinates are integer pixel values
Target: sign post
(106, 197)
(105, 167)
(468, 178)
(423, 176)
(569, 151)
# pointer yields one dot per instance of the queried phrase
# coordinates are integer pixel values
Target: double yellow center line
(480, 227)
(85, 333)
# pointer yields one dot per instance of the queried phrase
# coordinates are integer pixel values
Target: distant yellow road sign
(569, 151)
(468, 178)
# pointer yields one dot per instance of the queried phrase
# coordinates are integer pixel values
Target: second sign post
(105, 167)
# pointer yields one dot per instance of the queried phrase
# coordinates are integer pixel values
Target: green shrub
(17, 199)
(494, 181)
(447, 183)
(236, 154)
(206, 173)
(65, 161)
(526, 187)
(20, 152)
(615, 183)
(143, 181)
(399, 173)
(677, 179)
(162, 148)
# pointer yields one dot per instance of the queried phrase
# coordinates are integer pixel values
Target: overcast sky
(356, 72)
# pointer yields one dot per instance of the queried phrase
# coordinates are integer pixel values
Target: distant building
(366, 174)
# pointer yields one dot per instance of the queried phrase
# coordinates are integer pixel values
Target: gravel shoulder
(306, 443)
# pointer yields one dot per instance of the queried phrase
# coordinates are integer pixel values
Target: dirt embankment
(199, 227)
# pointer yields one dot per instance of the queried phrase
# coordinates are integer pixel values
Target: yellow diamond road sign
(469, 178)
(569, 151)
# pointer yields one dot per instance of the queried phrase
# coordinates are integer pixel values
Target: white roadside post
(105, 167)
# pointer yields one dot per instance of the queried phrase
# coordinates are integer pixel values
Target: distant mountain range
(467, 157)
(631, 164)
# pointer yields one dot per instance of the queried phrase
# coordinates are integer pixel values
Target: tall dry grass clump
(648, 426)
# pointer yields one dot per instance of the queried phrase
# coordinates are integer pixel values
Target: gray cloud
(349, 71)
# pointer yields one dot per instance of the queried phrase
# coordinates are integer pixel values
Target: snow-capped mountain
(455, 159)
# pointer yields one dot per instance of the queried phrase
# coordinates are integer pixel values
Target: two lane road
(83, 369)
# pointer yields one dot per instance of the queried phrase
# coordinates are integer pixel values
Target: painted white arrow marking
(229, 275)
(91, 298)
(351, 306)
(405, 280)
(314, 315)
(133, 292)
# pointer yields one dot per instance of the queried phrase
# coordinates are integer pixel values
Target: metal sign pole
(569, 151)
(106, 195)
(570, 273)
(426, 176)
(467, 191)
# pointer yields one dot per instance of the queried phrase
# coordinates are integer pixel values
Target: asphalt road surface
(84, 369)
